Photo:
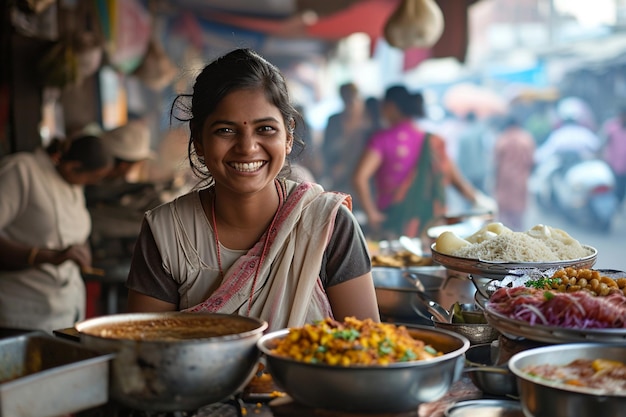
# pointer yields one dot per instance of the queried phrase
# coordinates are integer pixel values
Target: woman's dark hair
(239, 69)
(409, 104)
(89, 150)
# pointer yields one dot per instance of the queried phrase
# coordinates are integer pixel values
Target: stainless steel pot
(396, 290)
(362, 389)
(175, 374)
(542, 398)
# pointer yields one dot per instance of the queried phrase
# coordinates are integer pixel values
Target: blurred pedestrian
(410, 168)
(474, 146)
(513, 160)
(614, 150)
(572, 137)
(345, 137)
(372, 108)
(44, 226)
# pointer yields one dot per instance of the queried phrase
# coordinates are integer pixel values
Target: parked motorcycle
(582, 189)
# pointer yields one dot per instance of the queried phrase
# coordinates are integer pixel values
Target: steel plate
(516, 329)
(498, 270)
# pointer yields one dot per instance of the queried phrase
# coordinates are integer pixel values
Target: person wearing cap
(117, 205)
(130, 145)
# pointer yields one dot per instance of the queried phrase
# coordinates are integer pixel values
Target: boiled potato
(489, 231)
(448, 243)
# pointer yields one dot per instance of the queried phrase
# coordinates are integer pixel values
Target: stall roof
(330, 20)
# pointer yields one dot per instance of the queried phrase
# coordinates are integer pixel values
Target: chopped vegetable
(542, 283)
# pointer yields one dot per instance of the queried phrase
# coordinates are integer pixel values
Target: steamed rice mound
(539, 244)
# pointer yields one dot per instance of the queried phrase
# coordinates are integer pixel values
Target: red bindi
(245, 123)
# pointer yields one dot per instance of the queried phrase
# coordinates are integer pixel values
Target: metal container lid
(485, 408)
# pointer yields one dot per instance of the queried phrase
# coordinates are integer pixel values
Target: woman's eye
(267, 129)
(224, 130)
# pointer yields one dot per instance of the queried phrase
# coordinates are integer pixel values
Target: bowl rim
(281, 333)
(497, 270)
(81, 326)
(513, 364)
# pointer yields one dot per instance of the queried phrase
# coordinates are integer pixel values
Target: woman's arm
(138, 302)
(150, 287)
(460, 183)
(356, 297)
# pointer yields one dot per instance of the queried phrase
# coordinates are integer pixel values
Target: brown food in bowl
(169, 329)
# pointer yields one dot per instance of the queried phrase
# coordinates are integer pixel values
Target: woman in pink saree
(249, 241)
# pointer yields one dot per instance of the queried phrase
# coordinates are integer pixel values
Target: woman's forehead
(246, 105)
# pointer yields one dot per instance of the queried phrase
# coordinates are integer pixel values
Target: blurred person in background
(474, 144)
(117, 204)
(613, 133)
(44, 227)
(513, 161)
(308, 161)
(345, 137)
(572, 136)
(410, 169)
(372, 108)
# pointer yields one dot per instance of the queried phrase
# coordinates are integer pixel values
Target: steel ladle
(433, 307)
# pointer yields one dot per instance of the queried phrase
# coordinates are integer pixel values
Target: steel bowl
(542, 398)
(396, 387)
(476, 333)
(188, 361)
(499, 270)
(489, 377)
(396, 290)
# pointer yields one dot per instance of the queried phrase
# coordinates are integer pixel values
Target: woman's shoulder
(181, 204)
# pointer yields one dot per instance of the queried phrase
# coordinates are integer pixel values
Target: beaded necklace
(281, 197)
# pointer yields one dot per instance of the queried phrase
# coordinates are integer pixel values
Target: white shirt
(39, 208)
(568, 138)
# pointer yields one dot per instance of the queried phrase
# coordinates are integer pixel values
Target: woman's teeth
(247, 167)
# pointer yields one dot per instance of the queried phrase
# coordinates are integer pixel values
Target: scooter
(582, 189)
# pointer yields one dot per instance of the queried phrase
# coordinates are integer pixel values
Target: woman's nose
(247, 140)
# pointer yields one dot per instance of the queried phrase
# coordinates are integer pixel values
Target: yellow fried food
(571, 279)
(353, 342)
(400, 259)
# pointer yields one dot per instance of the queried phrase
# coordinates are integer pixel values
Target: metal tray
(516, 329)
(498, 270)
(42, 376)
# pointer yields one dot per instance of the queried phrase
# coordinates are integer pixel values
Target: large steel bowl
(213, 361)
(542, 398)
(370, 389)
(395, 290)
(499, 270)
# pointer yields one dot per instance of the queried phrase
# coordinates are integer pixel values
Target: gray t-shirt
(346, 257)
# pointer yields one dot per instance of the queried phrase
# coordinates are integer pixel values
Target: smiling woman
(249, 241)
